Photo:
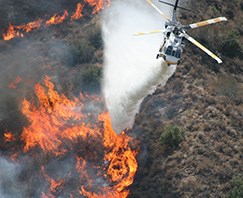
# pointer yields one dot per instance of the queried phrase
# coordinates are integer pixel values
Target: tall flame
(78, 13)
(55, 119)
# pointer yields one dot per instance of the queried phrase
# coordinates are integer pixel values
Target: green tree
(172, 135)
(236, 187)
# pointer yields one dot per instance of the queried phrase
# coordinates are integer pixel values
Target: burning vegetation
(19, 30)
(65, 147)
(102, 162)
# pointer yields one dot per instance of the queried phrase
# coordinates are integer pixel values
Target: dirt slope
(204, 98)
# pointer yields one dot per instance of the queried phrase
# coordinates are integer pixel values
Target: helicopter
(175, 34)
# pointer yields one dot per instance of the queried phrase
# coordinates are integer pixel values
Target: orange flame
(46, 128)
(56, 119)
(11, 33)
(56, 19)
(30, 26)
(9, 137)
(78, 13)
(18, 31)
(98, 5)
(54, 184)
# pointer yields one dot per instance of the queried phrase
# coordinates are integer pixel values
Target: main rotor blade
(170, 4)
(189, 38)
(156, 8)
(207, 22)
(149, 32)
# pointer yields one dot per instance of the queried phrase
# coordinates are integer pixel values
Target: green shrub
(172, 136)
(236, 187)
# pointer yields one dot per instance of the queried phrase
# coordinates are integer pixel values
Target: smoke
(131, 68)
(9, 187)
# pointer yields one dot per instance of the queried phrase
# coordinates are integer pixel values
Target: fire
(30, 26)
(11, 33)
(56, 19)
(54, 184)
(9, 137)
(78, 13)
(98, 5)
(56, 122)
(47, 128)
(19, 31)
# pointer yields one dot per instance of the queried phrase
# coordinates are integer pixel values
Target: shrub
(172, 136)
(236, 187)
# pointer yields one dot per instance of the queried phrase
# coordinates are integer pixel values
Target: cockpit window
(173, 53)
(168, 50)
(178, 54)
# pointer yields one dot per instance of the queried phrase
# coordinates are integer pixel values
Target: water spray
(131, 68)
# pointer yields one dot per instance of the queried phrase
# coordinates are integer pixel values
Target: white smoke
(131, 68)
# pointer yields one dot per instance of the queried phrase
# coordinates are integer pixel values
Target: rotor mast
(174, 19)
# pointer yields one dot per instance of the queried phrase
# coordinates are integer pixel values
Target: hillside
(202, 99)
(205, 99)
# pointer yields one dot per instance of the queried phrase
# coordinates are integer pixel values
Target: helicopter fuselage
(175, 33)
(173, 44)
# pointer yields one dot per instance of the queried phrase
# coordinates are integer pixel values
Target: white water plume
(131, 69)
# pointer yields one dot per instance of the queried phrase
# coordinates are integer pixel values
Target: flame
(9, 137)
(30, 26)
(78, 13)
(18, 31)
(12, 33)
(14, 84)
(98, 5)
(55, 119)
(46, 128)
(56, 19)
(54, 184)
